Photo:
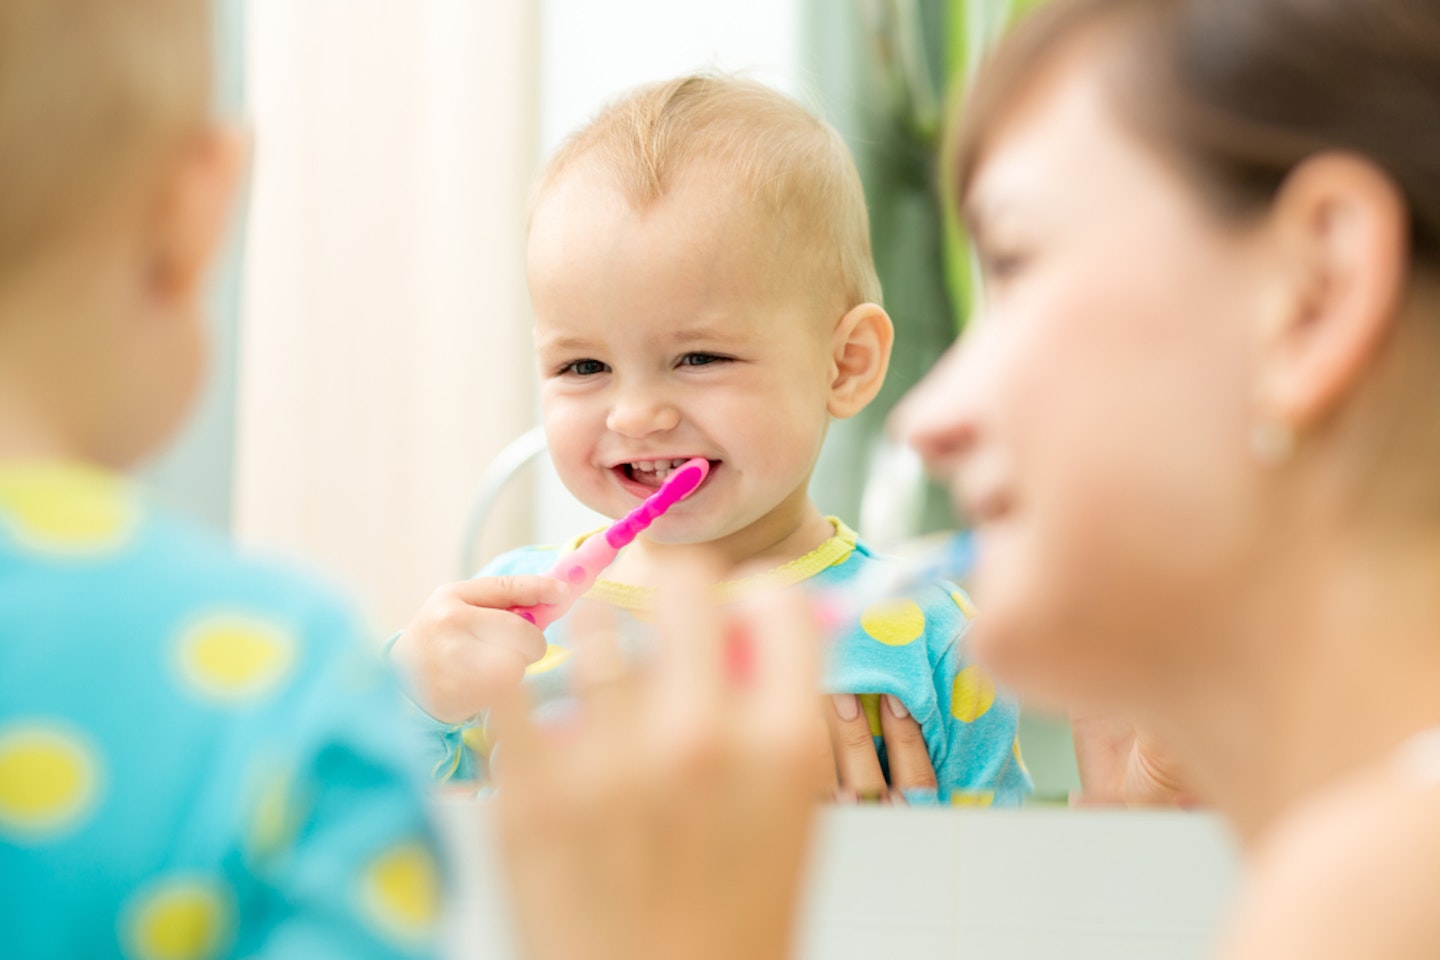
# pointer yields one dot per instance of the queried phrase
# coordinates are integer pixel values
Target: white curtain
(384, 344)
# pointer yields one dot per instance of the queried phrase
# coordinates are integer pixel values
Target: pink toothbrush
(582, 566)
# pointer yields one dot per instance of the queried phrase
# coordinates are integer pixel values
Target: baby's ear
(860, 356)
(193, 213)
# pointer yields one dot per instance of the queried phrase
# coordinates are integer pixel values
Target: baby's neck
(31, 427)
(779, 537)
(53, 369)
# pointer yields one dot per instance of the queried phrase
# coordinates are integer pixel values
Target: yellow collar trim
(633, 597)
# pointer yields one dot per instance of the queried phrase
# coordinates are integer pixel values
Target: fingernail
(562, 589)
(847, 706)
(897, 709)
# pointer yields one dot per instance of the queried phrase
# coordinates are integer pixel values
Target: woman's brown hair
(1243, 91)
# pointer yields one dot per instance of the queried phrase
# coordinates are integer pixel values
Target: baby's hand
(463, 645)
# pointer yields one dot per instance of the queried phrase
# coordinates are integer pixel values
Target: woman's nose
(640, 414)
(937, 417)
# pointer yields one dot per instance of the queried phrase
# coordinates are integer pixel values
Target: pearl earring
(1272, 442)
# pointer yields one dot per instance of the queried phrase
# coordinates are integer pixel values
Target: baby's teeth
(645, 466)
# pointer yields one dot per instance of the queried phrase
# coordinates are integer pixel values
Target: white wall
(590, 52)
(385, 351)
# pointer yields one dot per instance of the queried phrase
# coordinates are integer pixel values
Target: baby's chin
(676, 532)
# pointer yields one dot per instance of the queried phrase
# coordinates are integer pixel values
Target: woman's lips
(987, 508)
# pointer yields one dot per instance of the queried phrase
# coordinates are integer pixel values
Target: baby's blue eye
(701, 359)
(584, 368)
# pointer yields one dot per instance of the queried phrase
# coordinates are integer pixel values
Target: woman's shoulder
(1354, 872)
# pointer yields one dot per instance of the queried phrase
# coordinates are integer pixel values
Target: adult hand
(463, 645)
(1121, 765)
(850, 757)
(671, 817)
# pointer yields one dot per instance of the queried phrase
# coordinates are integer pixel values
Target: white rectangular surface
(1038, 884)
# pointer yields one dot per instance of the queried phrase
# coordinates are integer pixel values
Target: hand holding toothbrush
(474, 638)
(463, 645)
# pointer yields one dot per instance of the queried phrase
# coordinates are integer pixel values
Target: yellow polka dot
(62, 508)
(274, 817)
(966, 605)
(400, 893)
(1020, 760)
(554, 656)
(972, 798)
(972, 696)
(233, 658)
(178, 918)
(894, 622)
(870, 702)
(49, 779)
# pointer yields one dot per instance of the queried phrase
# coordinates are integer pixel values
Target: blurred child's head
(116, 188)
(700, 268)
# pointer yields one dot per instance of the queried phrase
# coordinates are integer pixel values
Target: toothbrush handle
(579, 569)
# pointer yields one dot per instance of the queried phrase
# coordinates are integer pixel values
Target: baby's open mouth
(652, 473)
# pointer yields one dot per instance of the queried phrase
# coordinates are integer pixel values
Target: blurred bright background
(372, 348)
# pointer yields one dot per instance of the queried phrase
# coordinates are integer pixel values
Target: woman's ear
(860, 357)
(1343, 226)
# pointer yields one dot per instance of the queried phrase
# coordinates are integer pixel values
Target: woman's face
(1094, 422)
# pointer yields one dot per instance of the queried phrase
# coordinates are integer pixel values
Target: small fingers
(504, 592)
(512, 635)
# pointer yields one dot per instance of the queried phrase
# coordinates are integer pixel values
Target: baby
(699, 264)
(198, 751)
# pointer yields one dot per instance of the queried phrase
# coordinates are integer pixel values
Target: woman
(1197, 426)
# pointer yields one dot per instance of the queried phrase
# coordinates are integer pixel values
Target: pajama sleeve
(336, 852)
(981, 763)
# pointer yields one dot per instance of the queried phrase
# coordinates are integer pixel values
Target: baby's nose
(639, 415)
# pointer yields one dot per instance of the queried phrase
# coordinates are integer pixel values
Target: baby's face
(670, 333)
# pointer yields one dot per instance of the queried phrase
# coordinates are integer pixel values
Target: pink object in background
(582, 566)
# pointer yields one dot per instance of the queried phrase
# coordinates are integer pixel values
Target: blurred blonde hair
(92, 95)
(793, 165)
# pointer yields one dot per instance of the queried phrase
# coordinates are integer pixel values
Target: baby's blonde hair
(784, 158)
(92, 92)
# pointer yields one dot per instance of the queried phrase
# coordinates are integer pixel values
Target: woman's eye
(1000, 267)
(584, 368)
(701, 359)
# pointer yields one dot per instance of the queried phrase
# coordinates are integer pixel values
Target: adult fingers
(775, 667)
(781, 654)
(822, 751)
(527, 755)
(856, 762)
(1103, 743)
(690, 665)
(1155, 776)
(910, 766)
(604, 682)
